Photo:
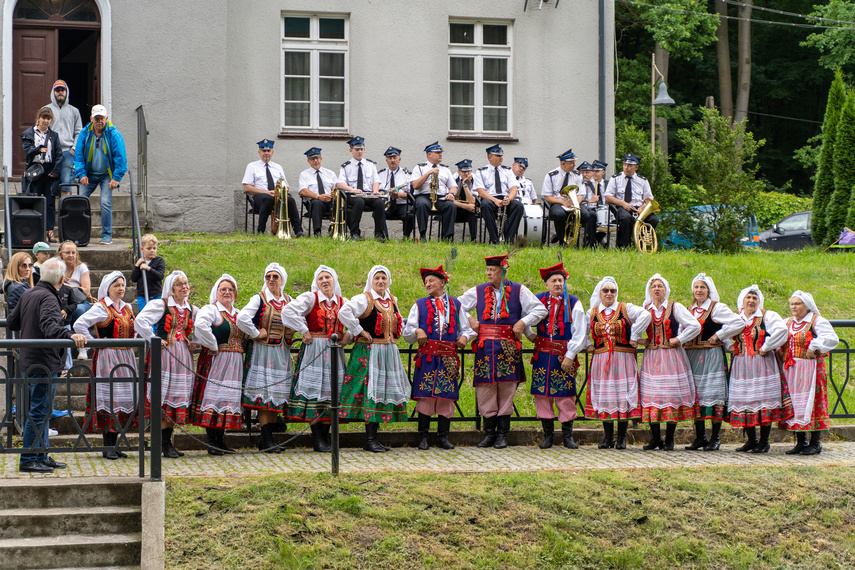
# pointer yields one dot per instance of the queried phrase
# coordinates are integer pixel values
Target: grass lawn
(757, 518)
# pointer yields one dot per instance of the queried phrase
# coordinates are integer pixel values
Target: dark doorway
(77, 56)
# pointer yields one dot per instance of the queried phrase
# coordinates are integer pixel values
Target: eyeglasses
(608, 290)
(271, 277)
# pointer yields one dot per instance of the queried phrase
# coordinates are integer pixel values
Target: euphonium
(280, 227)
(434, 189)
(337, 227)
(574, 216)
(643, 234)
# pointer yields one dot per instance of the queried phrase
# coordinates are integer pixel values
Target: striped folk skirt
(612, 392)
(758, 393)
(113, 405)
(666, 387)
(217, 390)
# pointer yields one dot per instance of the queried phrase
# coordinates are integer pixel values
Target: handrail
(142, 158)
(7, 230)
(136, 237)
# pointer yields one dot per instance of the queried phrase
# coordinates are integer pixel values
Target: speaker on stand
(27, 217)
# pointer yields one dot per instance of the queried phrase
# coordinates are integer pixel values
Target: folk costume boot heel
(503, 426)
(213, 447)
(443, 426)
(815, 447)
(752, 440)
(318, 443)
(567, 435)
(110, 441)
(424, 429)
(608, 435)
(801, 443)
(670, 429)
(166, 444)
(489, 432)
(371, 443)
(655, 438)
(548, 433)
(715, 438)
(266, 442)
(221, 442)
(763, 445)
(620, 443)
(700, 436)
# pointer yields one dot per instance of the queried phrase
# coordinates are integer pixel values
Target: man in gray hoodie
(67, 124)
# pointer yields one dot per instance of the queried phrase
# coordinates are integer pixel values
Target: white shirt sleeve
(477, 181)
(342, 176)
(409, 332)
(640, 318)
(305, 180)
(611, 187)
(776, 328)
(90, 318)
(532, 308)
(731, 323)
(205, 319)
(580, 341)
(248, 177)
(468, 300)
(463, 325)
(689, 325)
(350, 313)
(148, 317)
(294, 313)
(245, 315)
(826, 338)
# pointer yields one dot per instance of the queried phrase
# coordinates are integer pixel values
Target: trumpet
(644, 234)
(574, 216)
(387, 194)
(280, 219)
(338, 225)
(434, 189)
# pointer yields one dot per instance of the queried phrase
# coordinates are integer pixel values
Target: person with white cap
(110, 406)
(375, 388)
(627, 192)
(171, 318)
(314, 315)
(810, 337)
(99, 160)
(707, 359)
(666, 389)
(758, 395)
(612, 392)
(217, 390)
(268, 371)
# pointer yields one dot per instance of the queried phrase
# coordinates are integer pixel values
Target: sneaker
(52, 432)
(106, 240)
(82, 354)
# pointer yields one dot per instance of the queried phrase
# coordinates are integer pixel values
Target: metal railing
(136, 237)
(7, 222)
(142, 159)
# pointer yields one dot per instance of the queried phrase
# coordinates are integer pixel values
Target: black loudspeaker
(75, 220)
(27, 216)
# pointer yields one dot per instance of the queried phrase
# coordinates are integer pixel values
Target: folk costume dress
(666, 387)
(219, 373)
(376, 389)
(110, 407)
(268, 370)
(807, 378)
(174, 324)
(758, 393)
(315, 314)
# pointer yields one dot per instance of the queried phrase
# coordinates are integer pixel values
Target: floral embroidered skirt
(375, 386)
(807, 382)
(217, 390)
(758, 391)
(176, 384)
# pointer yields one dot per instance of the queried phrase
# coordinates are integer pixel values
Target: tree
(844, 170)
(824, 186)
(837, 45)
(717, 165)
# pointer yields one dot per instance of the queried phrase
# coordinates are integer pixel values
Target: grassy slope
(799, 517)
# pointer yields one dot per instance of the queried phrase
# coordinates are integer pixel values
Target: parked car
(749, 239)
(793, 232)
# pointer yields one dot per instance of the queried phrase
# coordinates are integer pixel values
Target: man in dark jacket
(37, 316)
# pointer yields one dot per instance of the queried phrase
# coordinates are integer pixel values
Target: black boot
(424, 430)
(752, 440)
(763, 445)
(655, 438)
(318, 443)
(443, 426)
(815, 447)
(325, 433)
(548, 432)
(608, 435)
(567, 435)
(266, 442)
(221, 442)
(700, 436)
(670, 429)
(801, 443)
(166, 444)
(715, 438)
(620, 443)
(502, 428)
(213, 444)
(489, 432)
(110, 441)
(371, 443)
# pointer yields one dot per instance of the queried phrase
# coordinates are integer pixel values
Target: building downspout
(602, 83)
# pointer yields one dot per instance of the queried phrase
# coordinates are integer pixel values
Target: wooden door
(34, 53)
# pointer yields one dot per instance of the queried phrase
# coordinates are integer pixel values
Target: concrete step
(79, 493)
(72, 550)
(120, 201)
(73, 403)
(27, 523)
(95, 256)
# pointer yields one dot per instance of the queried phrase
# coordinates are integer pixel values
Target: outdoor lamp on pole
(661, 99)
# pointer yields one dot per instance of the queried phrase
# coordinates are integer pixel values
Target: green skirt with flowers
(356, 402)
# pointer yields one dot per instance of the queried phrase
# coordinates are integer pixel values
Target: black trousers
(49, 188)
(626, 222)
(377, 206)
(264, 204)
(589, 223)
(317, 211)
(471, 218)
(558, 215)
(446, 209)
(404, 213)
(513, 217)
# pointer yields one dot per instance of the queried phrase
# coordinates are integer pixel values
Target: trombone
(280, 225)
(338, 226)
(574, 216)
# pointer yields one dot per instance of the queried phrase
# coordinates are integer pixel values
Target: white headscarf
(106, 281)
(167, 284)
(375, 269)
(331, 271)
(278, 269)
(595, 296)
(648, 298)
(212, 298)
(707, 280)
(752, 289)
(807, 299)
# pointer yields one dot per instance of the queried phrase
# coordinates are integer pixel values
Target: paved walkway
(460, 460)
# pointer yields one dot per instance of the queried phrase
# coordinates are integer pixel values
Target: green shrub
(844, 171)
(772, 206)
(825, 168)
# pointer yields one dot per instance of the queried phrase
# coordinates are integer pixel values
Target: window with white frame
(314, 70)
(479, 77)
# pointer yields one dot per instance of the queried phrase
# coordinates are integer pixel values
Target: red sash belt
(495, 332)
(438, 348)
(556, 347)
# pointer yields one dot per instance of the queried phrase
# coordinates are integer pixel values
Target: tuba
(338, 225)
(643, 234)
(574, 216)
(279, 225)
